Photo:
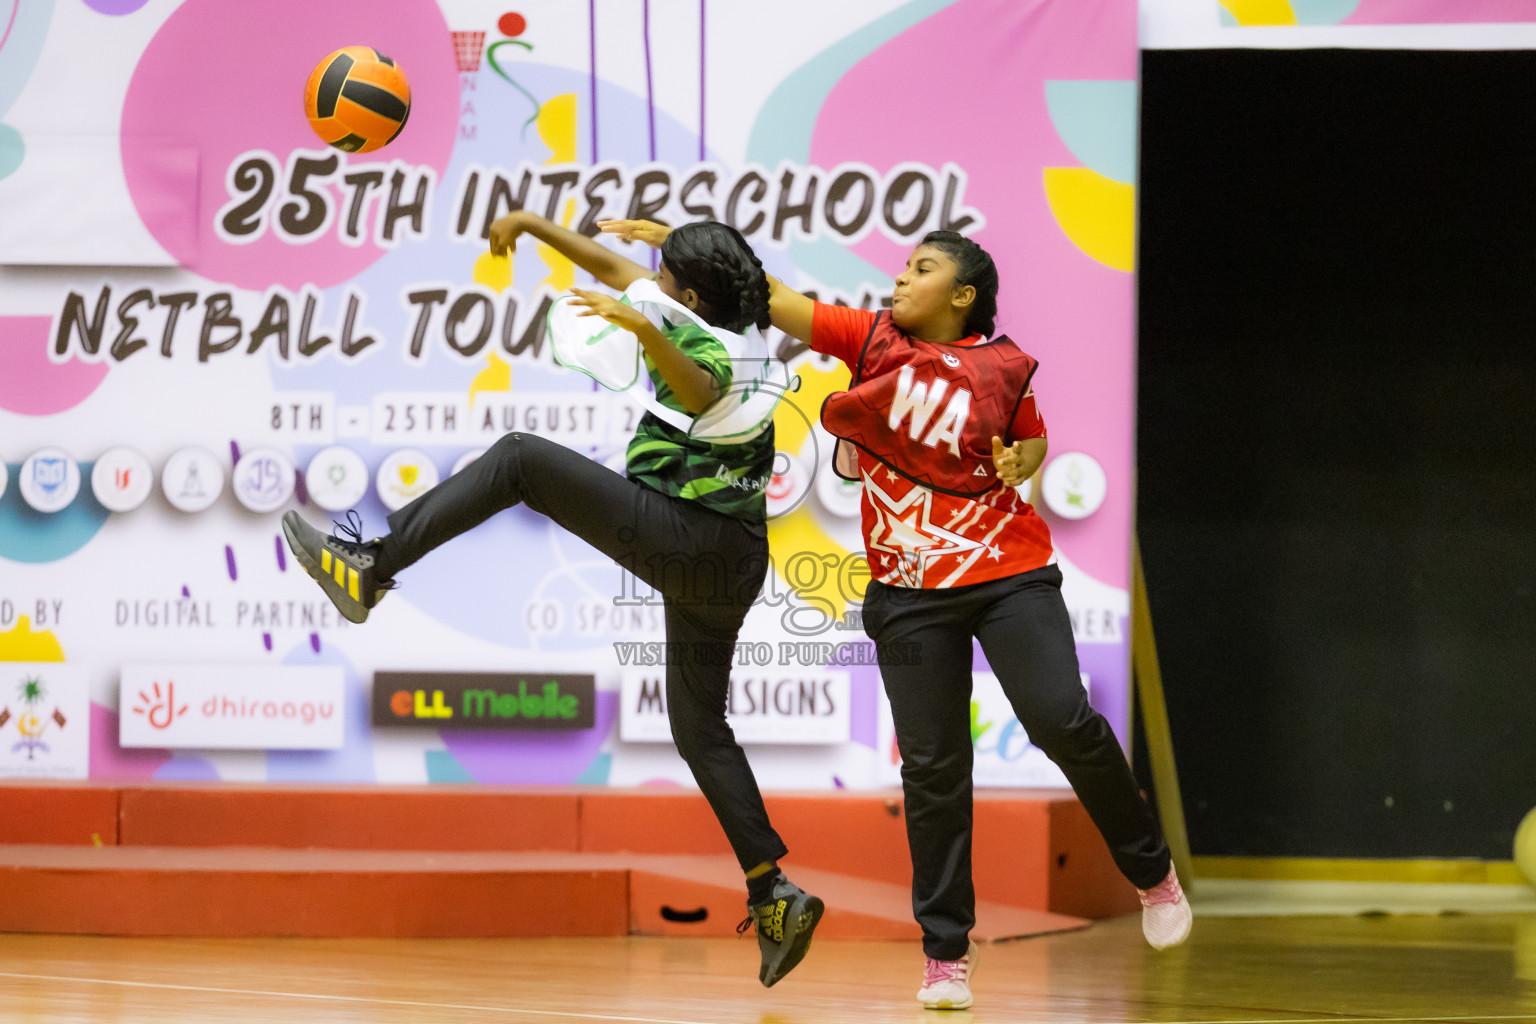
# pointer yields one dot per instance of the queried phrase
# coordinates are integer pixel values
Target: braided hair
(973, 266)
(717, 263)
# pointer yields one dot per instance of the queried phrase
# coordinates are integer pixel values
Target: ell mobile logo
(484, 700)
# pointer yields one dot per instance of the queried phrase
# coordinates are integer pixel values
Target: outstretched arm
(610, 268)
(693, 385)
(790, 311)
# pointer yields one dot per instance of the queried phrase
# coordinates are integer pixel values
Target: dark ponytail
(973, 266)
(716, 262)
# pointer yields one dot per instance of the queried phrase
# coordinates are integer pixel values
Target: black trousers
(708, 568)
(1023, 627)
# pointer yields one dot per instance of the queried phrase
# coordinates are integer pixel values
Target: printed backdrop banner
(208, 317)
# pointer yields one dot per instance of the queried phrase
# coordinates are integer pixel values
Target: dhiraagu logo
(484, 700)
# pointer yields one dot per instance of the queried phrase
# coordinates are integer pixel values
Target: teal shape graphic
(1097, 121)
(444, 767)
(33, 537)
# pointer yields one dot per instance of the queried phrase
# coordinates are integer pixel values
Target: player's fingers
(997, 446)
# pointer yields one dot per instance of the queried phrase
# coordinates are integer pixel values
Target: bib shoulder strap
(858, 370)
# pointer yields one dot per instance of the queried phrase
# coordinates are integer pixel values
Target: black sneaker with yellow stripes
(784, 925)
(342, 565)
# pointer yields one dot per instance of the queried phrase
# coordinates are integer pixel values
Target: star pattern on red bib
(906, 540)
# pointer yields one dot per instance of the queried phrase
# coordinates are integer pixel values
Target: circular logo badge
(337, 478)
(788, 486)
(842, 498)
(122, 479)
(49, 479)
(404, 476)
(263, 479)
(1074, 485)
(466, 459)
(193, 479)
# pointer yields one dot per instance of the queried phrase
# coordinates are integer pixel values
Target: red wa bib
(929, 412)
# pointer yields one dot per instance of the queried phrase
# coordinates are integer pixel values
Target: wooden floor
(1272, 970)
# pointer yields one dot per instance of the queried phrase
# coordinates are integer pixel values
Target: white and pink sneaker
(947, 983)
(1165, 913)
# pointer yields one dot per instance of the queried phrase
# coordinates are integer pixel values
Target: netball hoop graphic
(467, 49)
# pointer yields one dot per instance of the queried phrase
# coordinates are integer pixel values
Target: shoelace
(751, 918)
(1166, 891)
(352, 543)
(352, 528)
(936, 971)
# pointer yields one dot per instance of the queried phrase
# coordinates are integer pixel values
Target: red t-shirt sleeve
(839, 331)
(1027, 421)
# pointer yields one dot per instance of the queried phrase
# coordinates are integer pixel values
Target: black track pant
(1023, 627)
(708, 568)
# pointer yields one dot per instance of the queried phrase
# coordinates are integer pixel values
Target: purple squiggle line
(592, 23)
(650, 95)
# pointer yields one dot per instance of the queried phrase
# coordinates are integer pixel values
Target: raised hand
(647, 231)
(504, 232)
(609, 308)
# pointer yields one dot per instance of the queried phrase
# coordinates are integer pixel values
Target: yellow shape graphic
(562, 272)
(556, 125)
(497, 376)
(408, 474)
(800, 409)
(1097, 214)
(495, 272)
(1260, 12)
(20, 643)
(799, 531)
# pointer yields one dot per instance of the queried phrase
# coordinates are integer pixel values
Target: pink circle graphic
(220, 80)
(32, 384)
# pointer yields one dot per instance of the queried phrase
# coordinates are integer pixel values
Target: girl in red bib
(940, 425)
